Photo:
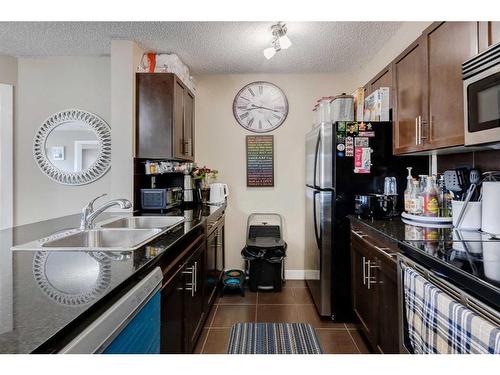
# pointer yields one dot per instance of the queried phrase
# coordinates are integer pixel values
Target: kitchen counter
(46, 293)
(471, 260)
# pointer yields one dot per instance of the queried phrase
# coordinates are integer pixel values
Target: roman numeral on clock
(244, 115)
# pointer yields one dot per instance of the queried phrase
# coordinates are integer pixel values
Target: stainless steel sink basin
(104, 239)
(145, 222)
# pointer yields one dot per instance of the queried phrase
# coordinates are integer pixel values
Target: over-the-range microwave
(481, 79)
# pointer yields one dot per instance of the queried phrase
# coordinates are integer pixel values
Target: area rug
(273, 338)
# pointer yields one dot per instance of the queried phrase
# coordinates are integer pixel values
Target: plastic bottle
(430, 195)
(415, 200)
(408, 191)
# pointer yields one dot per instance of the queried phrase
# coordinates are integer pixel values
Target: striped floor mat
(273, 338)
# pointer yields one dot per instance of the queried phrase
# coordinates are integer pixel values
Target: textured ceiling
(208, 47)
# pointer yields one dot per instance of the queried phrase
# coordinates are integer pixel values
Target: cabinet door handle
(192, 285)
(416, 131)
(195, 276)
(364, 271)
(419, 129)
(369, 277)
(187, 147)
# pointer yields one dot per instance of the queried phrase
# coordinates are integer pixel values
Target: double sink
(118, 234)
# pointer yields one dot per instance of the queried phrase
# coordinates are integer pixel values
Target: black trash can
(264, 252)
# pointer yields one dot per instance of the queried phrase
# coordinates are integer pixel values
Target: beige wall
(125, 57)
(45, 86)
(8, 70)
(220, 144)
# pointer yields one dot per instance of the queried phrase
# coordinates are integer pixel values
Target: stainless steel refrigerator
(343, 159)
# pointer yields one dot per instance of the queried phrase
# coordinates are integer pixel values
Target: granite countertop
(41, 292)
(467, 257)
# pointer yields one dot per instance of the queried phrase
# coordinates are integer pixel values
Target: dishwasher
(130, 326)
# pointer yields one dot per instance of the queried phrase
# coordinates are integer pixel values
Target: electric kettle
(218, 193)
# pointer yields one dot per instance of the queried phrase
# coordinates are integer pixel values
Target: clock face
(260, 107)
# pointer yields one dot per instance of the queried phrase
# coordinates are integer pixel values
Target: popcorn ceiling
(209, 47)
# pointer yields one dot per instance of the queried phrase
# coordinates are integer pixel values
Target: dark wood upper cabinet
(164, 117)
(489, 34)
(428, 99)
(188, 125)
(409, 102)
(382, 79)
(448, 46)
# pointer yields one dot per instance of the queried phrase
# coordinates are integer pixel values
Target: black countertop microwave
(481, 80)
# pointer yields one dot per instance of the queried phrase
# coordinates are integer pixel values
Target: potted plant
(203, 177)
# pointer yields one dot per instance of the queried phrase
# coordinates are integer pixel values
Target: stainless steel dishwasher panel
(130, 326)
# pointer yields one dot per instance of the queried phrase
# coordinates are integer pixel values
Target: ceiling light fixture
(280, 40)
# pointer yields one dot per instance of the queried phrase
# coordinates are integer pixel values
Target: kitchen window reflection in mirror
(73, 147)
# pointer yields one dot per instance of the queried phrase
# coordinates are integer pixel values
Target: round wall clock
(260, 107)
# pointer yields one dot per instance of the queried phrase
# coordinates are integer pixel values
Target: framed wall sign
(260, 160)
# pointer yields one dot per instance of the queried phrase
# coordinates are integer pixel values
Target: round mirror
(72, 278)
(73, 147)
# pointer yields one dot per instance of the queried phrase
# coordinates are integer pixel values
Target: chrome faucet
(89, 215)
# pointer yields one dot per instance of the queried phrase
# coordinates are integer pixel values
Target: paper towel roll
(491, 208)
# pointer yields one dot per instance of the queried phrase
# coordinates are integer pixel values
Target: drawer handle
(360, 234)
(384, 250)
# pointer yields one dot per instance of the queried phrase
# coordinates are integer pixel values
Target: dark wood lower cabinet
(374, 290)
(194, 311)
(388, 327)
(191, 290)
(364, 300)
(214, 263)
(172, 315)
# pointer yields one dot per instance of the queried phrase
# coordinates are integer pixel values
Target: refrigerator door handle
(318, 239)
(315, 169)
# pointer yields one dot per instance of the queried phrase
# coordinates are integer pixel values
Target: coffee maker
(188, 183)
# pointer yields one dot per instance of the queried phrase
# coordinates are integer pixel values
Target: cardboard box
(377, 105)
(359, 103)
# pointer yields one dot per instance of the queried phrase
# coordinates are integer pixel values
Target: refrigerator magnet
(362, 159)
(349, 146)
(367, 134)
(361, 142)
(340, 147)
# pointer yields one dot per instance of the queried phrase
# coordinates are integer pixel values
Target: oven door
(482, 107)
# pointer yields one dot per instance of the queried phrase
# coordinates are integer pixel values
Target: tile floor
(292, 305)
